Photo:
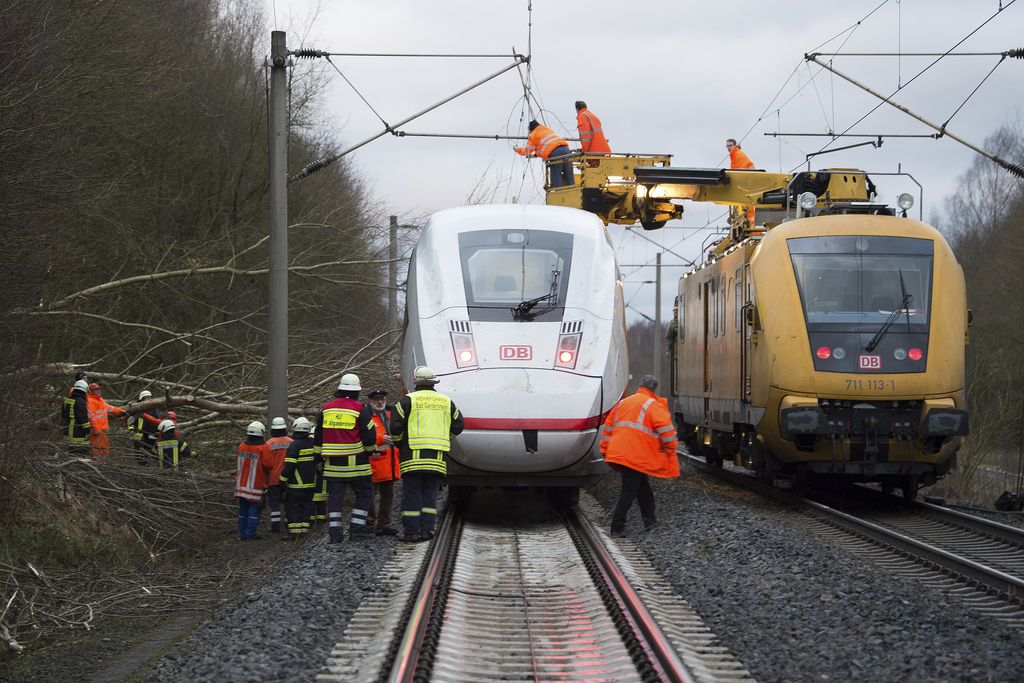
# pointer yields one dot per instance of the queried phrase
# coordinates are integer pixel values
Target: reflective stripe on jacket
(592, 138)
(254, 464)
(429, 421)
(541, 143)
(174, 450)
(640, 435)
(98, 411)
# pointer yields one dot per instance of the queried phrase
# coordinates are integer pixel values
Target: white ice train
(518, 310)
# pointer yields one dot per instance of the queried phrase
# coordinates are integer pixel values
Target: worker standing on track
(546, 144)
(254, 464)
(385, 466)
(345, 437)
(424, 423)
(278, 443)
(592, 140)
(74, 419)
(639, 439)
(99, 409)
(299, 477)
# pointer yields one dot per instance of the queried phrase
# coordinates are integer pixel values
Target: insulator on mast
(308, 53)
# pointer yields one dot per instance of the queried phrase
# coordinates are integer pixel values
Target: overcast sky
(665, 77)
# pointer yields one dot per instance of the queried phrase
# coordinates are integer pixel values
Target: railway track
(978, 561)
(526, 595)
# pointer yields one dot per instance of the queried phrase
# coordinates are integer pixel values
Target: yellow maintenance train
(822, 340)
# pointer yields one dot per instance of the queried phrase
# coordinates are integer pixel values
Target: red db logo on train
(516, 352)
(870, 362)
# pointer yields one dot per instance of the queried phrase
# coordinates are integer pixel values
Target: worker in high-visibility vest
(423, 426)
(254, 466)
(299, 477)
(638, 439)
(171, 449)
(99, 409)
(345, 438)
(278, 442)
(546, 144)
(592, 140)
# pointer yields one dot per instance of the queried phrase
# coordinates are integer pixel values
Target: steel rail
(672, 666)
(403, 670)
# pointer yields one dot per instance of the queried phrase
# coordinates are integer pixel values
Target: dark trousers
(248, 517)
(635, 486)
(561, 172)
(143, 450)
(299, 505)
(419, 500)
(380, 517)
(362, 487)
(274, 500)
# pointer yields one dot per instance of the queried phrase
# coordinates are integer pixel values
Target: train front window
(862, 279)
(505, 270)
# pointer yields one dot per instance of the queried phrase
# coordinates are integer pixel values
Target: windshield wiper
(907, 298)
(523, 309)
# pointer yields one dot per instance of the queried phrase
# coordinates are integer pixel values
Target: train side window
(680, 337)
(739, 299)
(714, 305)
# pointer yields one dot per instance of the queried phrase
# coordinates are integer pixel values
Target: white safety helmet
(278, 423)
(301, 424)
(349, 382)
(256, 429)
(424, 375)
(166, 426)
(82, 385)
(144, 394)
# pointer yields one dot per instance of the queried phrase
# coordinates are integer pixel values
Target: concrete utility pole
(393, 279)
(657, 326)
(277, 328)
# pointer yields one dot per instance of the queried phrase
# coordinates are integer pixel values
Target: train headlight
(905, 201)
(808, 200)
(915, 354)
(899, 354)
(839, 353)
(824, 352)
(462, 343)
(568, 350)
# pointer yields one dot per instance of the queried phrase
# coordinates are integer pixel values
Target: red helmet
(171, 415)
(93, 388)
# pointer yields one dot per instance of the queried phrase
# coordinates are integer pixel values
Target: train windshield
(863, 279)
(515, 274)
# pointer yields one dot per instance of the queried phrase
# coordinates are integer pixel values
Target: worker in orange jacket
(278, 442)
(99, 409)
(738, 159)
(546, 144)
(254, 465)
(385, 466)
(639, 439)
(592, 140)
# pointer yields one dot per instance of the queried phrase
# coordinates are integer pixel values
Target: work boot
(386, 531)
(618, 533)
(358, 534)
(410, 538)
(650, 523)
(426, 535)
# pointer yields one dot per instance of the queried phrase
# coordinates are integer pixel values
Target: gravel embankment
(793, 607)
(790, 606)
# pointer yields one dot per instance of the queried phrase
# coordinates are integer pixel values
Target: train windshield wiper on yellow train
(907, 299)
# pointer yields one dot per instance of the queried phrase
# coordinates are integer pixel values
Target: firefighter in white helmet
(171, 449)
(345, 438)
(299, 478)
(425, 421)
(254, 466)
(74, 419)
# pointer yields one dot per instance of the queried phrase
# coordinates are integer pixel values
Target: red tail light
(568, 348)
(824, 352)
(915, 354)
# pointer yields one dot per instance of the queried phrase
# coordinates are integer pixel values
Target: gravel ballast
(789, 605)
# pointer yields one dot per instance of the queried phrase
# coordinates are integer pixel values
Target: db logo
(516, 352)
(870, 362)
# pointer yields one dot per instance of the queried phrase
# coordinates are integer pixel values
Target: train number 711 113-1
(871, 384)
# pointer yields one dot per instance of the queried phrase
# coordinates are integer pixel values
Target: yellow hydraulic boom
(637, 188)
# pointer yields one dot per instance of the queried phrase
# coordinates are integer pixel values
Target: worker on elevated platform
(738, 159)
(546, 144)
(592, 140)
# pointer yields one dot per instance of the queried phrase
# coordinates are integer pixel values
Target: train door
(709, 312)
(749, 337)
